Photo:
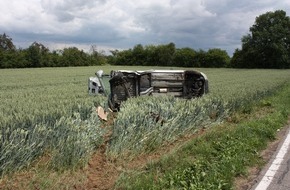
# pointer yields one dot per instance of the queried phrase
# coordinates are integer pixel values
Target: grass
(46, 113)
(214, 159)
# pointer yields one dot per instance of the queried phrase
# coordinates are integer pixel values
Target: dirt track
(103, 173)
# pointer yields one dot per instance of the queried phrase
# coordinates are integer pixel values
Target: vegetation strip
(276, 164)
(213, 160)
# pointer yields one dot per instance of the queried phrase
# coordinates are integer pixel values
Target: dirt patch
(102, 173)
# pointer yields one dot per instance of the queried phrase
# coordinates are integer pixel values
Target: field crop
(136, 131)
(49, 111)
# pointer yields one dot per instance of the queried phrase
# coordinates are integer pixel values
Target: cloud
(68, 10)
(124, 23)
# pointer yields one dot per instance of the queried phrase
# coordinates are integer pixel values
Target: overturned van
(179, 83)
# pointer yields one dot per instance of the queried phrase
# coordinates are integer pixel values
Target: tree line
(266, 46)
(169, 55)
(37, 55)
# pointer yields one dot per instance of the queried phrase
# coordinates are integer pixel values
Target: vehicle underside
(178, 83)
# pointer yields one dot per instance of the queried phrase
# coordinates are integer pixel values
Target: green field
(48, 110)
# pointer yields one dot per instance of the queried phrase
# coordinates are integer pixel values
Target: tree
(165, 54)
(6, 43)
(200, 58)
(72, 56)
(125, 57)
(7, 51)
(97, 57)
(184, 57)
(37, 55)
(268, 45)
(139, 55)
(216, 58)
(151, 55)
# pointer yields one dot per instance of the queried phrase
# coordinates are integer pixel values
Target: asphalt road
(276, 175)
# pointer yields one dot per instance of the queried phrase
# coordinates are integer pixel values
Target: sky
(122, 24)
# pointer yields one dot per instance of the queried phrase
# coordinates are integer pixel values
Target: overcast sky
(122, 24)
